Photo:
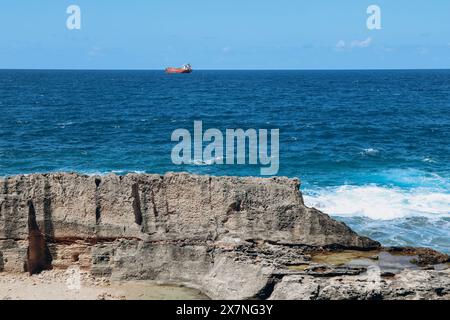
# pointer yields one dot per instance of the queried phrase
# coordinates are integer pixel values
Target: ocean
(372, 148)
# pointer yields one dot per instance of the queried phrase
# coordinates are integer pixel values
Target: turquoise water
(372, 148)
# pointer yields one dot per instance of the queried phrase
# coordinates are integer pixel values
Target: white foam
(207, 162)
(62, 125)
(380, 203)
(104, 173)
(369, 152)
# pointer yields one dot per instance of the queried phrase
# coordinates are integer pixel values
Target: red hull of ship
(177, 70)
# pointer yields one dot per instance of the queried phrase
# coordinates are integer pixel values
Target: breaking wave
(370, 152)
(379, 202)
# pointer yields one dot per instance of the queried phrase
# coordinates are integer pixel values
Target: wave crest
(379, 203)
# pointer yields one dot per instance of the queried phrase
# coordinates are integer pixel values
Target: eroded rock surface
(232, 238)
(370, 285)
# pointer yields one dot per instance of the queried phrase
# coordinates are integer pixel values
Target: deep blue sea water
(372, 148)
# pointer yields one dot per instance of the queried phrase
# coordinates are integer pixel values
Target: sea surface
(372, 148)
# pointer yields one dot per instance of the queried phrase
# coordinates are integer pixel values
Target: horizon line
(230, 69)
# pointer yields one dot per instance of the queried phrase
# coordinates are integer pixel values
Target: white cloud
(95, 52)
(361, 44)
(422, 51)
(340, 44)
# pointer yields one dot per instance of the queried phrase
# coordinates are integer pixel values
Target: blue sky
(225, 34)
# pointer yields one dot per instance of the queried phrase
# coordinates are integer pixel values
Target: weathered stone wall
(171, 207)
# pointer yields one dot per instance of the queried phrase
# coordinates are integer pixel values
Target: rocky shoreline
(229, 237)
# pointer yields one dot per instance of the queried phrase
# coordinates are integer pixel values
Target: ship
(184, 69)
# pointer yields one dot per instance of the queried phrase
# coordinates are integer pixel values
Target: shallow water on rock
(143, 290)
(387, 262)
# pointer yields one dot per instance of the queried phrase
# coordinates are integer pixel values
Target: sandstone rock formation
(229, 237)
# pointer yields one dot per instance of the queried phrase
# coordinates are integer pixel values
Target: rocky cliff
(230, 237)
